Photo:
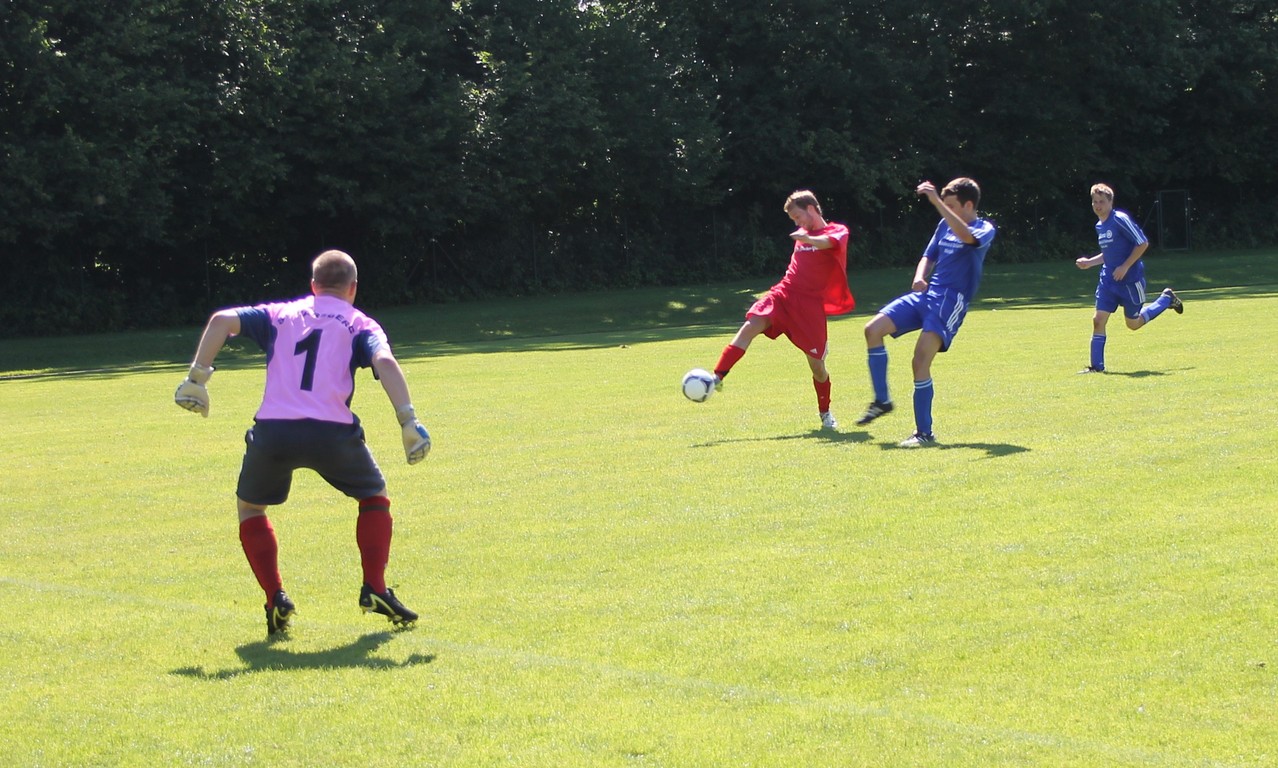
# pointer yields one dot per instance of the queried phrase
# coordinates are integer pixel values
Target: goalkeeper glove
(416, 438)
(191, 393)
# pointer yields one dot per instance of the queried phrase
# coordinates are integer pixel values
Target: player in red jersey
(815, 286)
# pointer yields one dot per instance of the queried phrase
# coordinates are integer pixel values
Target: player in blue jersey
(945, 282)
(1122, 276)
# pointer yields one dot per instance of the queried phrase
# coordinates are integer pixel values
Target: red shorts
(802, 320)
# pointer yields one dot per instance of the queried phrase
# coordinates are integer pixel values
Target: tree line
(164, 157)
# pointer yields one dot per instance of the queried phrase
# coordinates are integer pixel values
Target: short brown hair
(333, 269)
(803, 198)
(967, 190)
(1103, 189)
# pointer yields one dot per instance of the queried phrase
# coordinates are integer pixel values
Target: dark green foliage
(164, 158)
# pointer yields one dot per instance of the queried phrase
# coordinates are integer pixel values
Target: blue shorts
(940, 312)
(1111, 295)
(276, 447)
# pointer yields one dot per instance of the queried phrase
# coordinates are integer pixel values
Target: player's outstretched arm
(416, 438)
(192, 394)
(820, 242)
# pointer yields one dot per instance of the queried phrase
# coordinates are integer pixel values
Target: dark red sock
(373, 535)
(823, 394)
(257, 537)
(731, 354)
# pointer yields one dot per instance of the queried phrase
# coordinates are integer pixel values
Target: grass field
(1082, 574)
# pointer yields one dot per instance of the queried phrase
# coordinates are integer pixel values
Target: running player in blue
(1122, 276)
(953, 260)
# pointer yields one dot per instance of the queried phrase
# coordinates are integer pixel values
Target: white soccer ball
(698, 385)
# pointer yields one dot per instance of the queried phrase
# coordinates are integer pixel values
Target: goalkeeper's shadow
(271, 655)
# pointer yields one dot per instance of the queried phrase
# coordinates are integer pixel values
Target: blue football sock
(1098, 351)
(1157, 308)
(923, 392)
(878, 361)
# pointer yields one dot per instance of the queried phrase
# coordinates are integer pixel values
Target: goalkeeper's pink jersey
(313, 347)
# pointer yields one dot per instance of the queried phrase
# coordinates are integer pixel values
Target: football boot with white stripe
(873, 411)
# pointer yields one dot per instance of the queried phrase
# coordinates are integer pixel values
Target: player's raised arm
(957, 223)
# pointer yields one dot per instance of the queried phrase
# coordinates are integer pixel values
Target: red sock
(731, 354)
(257, 537)
(823, 394)
(373, 535)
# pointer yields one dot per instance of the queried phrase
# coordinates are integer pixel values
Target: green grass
(1083, 574)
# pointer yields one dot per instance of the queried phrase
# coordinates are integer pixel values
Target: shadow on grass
(274, 656)
(1136, 374)
(1146, 374)
(1206, 275)
(991, 450)
(824, 435)
(605, 319)
(624, 317)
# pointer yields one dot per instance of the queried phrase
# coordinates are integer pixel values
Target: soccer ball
(698, 385)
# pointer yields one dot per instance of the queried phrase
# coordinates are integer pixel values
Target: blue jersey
(1117, 236)
(958, 264)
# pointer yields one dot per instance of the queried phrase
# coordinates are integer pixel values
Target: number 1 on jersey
(309, 345)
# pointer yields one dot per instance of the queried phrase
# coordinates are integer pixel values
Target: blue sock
(878, 361)
(1098, 351)
(923, 406)
(1157, 308)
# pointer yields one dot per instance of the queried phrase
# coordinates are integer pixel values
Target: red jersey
(821, 273)
(815, 285)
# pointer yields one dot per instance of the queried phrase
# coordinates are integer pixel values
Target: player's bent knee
(248, 511)
(377, 503)
(878, 329)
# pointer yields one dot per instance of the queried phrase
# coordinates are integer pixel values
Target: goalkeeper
(313, 346)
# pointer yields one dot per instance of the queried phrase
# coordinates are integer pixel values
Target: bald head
(333, 272)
